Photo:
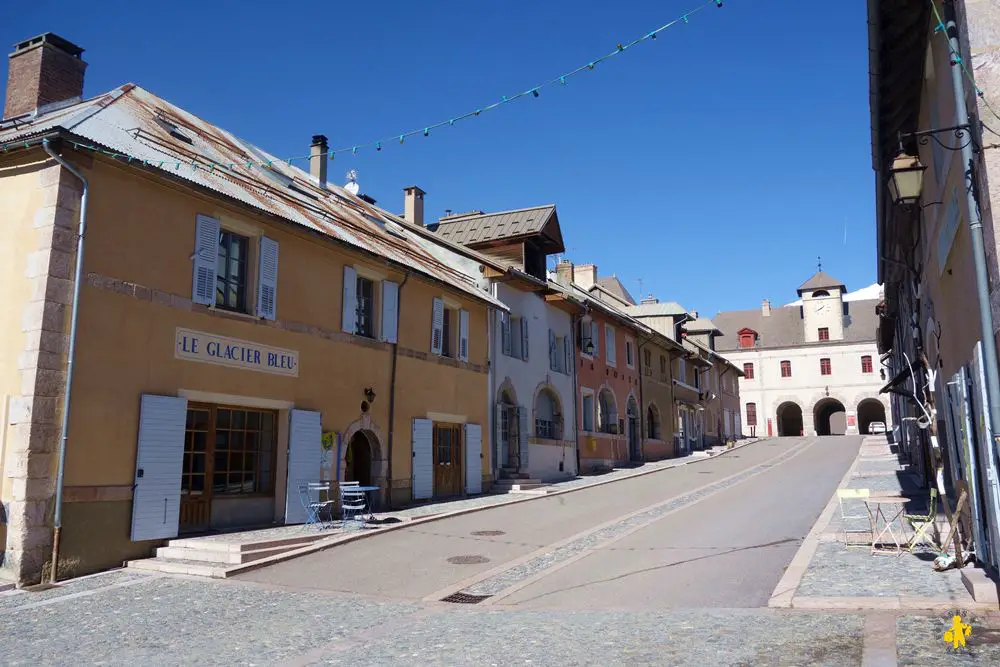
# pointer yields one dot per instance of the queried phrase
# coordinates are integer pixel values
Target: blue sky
(713, 164)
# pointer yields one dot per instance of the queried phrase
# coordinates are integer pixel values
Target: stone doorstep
(219, 556)
(982, 589)
(188, 567)
(213, 543)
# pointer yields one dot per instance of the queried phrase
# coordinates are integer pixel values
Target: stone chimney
(585, 275)
(413, 210)
(317, 158)
(43, 70)
(765, 308)
(564, 272)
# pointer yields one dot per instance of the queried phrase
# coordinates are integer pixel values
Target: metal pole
(976, 231)
(64, 434)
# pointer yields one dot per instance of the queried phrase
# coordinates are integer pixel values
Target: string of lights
(533, 92)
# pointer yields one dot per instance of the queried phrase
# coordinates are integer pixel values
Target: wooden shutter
(552, 351)
(267, 282)
(524, 338)
(423, 459)
(390, 311)
(522, 436)
(156, 499)
(596, 338)
(349, 321)
(609, 334)
(305, 449)
(505, 333)
(206, 255)
(437, 326)
(463, 335)
(473, 458)
(568, 353)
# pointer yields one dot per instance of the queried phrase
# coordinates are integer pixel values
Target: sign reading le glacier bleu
(211, 349)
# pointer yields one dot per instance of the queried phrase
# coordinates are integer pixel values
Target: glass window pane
(253, 421)
(198, 463)
(221, 462)
(235, 482)
(222, 418)
(266, 421)
(199, 440)
(252, 441)
(222, 440)
(198, 484)
(219, 482)
(239, 418)
(236, 440)
(185, 483)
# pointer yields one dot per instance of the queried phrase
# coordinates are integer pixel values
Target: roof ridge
(462, 216)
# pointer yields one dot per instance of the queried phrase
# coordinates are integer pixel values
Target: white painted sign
(211, 349)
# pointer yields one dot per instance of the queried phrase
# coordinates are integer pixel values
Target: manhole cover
(488, 533)
(464, 598)
(468, 560)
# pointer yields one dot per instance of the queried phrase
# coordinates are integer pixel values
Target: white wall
(807, 385)
(527, 377)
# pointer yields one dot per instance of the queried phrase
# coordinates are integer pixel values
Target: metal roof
(149, 132)
(475, 228)
(700, 324)
(820, 280)
(613, 286)
(657, 309)
(784, 326)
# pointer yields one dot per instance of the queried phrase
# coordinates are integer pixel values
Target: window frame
(610, 351)
(630, 352)
(823, 333)
(359, 280)
(866, 364)
(585, 393)
(786, 364)
(449, 348)
(748, 370)
(751, 413)
(248, 303)
(825, 366)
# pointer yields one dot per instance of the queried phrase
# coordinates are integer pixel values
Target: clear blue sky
(714, 163)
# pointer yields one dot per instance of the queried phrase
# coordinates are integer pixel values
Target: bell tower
(822, 307)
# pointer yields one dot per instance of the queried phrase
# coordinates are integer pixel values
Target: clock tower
(822, 308)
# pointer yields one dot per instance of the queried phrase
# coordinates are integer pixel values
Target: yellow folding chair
(921, 522)
(855, 495)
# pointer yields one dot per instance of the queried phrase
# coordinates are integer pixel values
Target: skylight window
(173, 130)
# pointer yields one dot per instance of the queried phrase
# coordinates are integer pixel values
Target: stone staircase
(213, 556)
(512, 481)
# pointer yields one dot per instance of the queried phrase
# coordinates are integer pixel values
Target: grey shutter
(552, 351)
(390, 311)
(156, 498)
(522, 436)
(206, 255)
(595, 336)
(609, 335)
(568, 350)
(473, 458)
(349, 321)
(524, 338)
(437, 326)
(305, 449)
(267, 283)
(499, 415)
(423, 459)
(505, 333)
(463, 335)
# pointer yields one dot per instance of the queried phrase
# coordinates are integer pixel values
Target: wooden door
(196, 491)
(447, 460)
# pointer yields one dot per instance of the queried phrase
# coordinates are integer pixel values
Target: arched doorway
(870, 410)
(830, 417)
(789, 419)
(634, 447)
(652, 422)
(509, 421)
(358, 460)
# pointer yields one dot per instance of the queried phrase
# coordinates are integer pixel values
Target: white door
(305, 450)
(423, 459)
(473, 458)
(156, 498)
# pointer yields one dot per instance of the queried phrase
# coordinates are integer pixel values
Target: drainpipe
(976, 231)
(74, 312)
(392, 392)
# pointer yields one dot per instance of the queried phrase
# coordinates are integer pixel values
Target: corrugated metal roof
(475, 228)
(657, 309)
(700, 324)
(146, 129)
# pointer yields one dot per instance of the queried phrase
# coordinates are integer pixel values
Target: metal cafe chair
(310, 494)
(921, 522)
(352, 505)
(848, 518)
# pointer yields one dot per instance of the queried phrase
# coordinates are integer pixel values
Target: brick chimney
(43, 70)
(585, 275)
(413, 210)
(564, 272)
(317, 158)
(765, 308)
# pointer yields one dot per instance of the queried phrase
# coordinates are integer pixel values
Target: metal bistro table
(368, 500)
(881, 524)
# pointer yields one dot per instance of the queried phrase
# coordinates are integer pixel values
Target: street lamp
(907, 180)
(589, 348)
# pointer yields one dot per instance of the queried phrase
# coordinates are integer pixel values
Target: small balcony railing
(547, 430)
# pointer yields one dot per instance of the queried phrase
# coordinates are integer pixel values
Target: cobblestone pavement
(920, 640)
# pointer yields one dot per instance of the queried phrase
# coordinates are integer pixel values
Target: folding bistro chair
(921, 522)
(310, 494)
(846, 518)
(352, 504)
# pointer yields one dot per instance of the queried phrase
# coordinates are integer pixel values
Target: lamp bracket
(962, 133)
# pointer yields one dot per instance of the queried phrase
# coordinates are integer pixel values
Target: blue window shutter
(206, 256)
(423, 459)
(267, 285)
(305, 451)
(349, 321)
(390, 311)
(156, 499)
(437, 326)
(463, 335)
(473, 458)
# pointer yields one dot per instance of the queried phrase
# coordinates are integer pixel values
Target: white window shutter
(596, 338)
(463, 335)
(267, 283)
(552, 350)
(390, 311)
(473, 458)
(505, 333)
(423, 459)
(522, 437)
(305, 450)
(206, 256)
(349, 321)
(437, 326)
(568, 350)
(156, 499)
(524, 338)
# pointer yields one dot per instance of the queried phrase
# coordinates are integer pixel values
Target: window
(748, 337)
(559, 353)
(820, 292)
(231, 273)
(751, 414)
(609, 345)
(681, 370)
(824, 333)
(588, 341)
(514, 334)
(786, 369)
(647, 362)
(366, 308)
(607, 414)
(629, 353)
(663, 368)
(653, 423)
(748, 371)
(697, 379)
(824, 366)
(588, 409)
(447, 347)
(547, 416)
(450, 331)
(866, 364)
(233, 447)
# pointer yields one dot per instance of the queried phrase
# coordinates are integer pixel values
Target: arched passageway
(870, 410)
(830, 417)
(789, 419)
(358, 460)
